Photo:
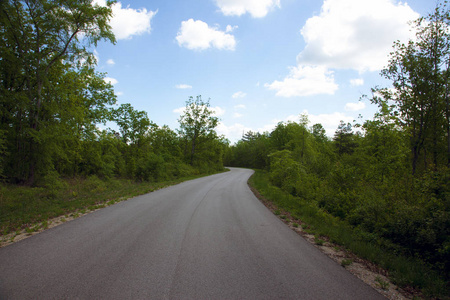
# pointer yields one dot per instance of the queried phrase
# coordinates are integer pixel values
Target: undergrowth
(403, 271)
(23, 207)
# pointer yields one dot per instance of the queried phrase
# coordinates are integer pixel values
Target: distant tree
(165, 142)
(279, 136)
(197, 125)
(319, 132)
(250, 136)
(133, 124)
(344, 139)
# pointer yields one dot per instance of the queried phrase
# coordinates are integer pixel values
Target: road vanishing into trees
(208, 238)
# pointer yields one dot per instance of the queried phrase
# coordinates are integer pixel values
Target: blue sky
(258, 61)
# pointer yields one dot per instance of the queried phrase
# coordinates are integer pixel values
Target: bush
(94, 185)
(150, 168)
(53, 184)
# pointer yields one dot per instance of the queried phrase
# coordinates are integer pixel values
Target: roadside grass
(30, 208)
(403, 271)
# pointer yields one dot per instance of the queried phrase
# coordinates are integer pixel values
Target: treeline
(52, 101)
(390, 178)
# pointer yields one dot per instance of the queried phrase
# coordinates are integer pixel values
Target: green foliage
(381, 283)
(390, 180)
(197, 125)
(346, 262)
(41, 51)
(344, 140)
(133, 124)
(53, 183)
(3, 153)
(250, 152)
(52, 101)
(420, 73)
(404, 270)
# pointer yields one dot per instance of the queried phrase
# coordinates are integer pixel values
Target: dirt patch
(365, 270)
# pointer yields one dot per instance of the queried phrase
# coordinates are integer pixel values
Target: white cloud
(197, 35)
(330, 122)
(239, 95)
(239, 106)
(355, 106)
(111, 80)
(179, 110)
(127, 22)
(111, 62)
(218, 111)
(183, 86)
(231, 28)
(233, 132)
(355, 34)
(357, 82)
(305, 81)
(257, 8)
(237, 115)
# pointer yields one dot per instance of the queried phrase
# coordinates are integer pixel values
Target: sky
(259, 62)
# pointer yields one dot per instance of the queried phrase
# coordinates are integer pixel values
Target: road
(208, 238)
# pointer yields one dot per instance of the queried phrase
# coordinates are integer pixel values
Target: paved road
(208, 238)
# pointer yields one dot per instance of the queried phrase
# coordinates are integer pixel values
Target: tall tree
(420, 72)
(133, 124)
(40, 41)
(197, 125)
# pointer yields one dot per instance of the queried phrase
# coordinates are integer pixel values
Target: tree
(383, 148)
(41, 40)
(251, 151)
(197, 126)
(319, 132)
(344, 139)
(133, 124)
(420, 72)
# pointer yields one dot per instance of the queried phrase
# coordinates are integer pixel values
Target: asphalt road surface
(208, 238)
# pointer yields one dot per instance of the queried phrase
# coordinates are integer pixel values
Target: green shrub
(53, 184)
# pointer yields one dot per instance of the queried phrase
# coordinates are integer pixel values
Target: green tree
(384, 148)
(251, 151)
(319, 132)
(41, 40)
(420, 73)
(133, 124)
(197, 125)
(344, 139)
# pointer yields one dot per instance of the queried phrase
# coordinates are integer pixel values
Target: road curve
(208, 238)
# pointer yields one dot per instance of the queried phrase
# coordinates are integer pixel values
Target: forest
(389, 177)
(52, 101)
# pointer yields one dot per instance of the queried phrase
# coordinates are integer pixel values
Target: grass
(404, 271)
(319, 241)
(381, 283)
(346, 262)
(25, 207)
